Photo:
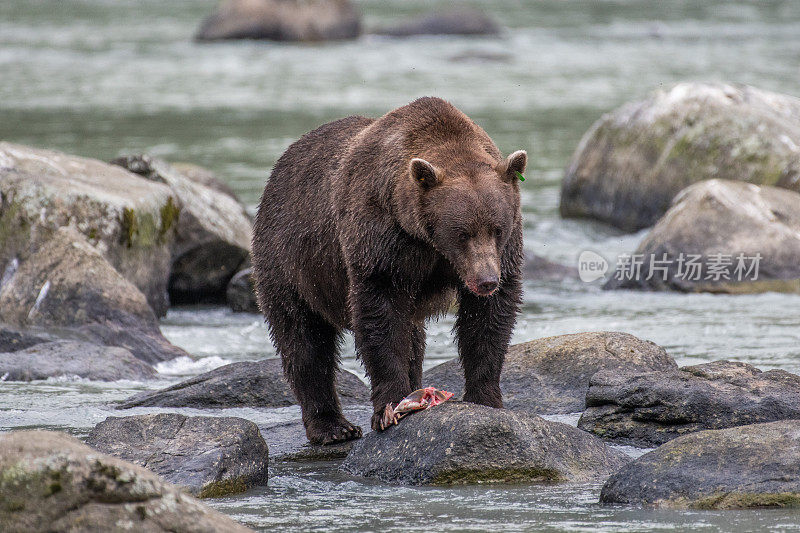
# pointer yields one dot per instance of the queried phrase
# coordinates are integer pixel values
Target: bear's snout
(484, 285)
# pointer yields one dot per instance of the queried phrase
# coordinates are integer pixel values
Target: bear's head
(469, 209)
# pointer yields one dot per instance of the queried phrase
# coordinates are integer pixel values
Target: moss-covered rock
(129, 220)
(51, 482)
(551, 375)
(751, 466)
(282, 20)
(633, 161)
(67, 284)
(208, 456)
(212, 234)
(721, 236)
(461, 443)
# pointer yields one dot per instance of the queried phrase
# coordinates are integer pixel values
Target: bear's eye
(463, 236)
(498, 233)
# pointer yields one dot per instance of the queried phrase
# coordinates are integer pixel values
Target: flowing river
(101, 78)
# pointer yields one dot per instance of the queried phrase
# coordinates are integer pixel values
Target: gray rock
(205, 177)
(68, 284)
(244, 384)
(129, 220)
(551, 375)
(739, 221)
(752, 466)
(208, 456)
(52, 482)
(14, 339)
(455, 22)
(212, 234)
(240, 294)
(282, 20)
(457, 443)
(71, 358)
(651, 408)
(288, 442)
(633, 161)
(542, 269)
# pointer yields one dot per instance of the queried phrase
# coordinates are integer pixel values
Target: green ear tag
(519, 175)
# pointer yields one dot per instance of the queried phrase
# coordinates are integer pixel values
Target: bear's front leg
(383, 331)
(483, 330)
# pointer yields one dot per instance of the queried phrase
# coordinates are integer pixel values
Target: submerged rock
(457, 443)
(129, 220)
(212, 234)
(633, 161)
(282, 20)
(455, 22)
(52, 482)
(71, 358)
(68, 284)
(551, 375)
(241, 294)
(244, 384)
(651, 408)
(208, 456)
(750, 242)
(752, 466)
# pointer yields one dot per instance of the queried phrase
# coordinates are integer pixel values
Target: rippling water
(105, 77)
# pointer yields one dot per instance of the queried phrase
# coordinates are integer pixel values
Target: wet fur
(346, 239)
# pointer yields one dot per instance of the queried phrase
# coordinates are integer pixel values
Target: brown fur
(373, 226)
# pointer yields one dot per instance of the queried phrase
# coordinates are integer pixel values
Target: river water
(105, 77)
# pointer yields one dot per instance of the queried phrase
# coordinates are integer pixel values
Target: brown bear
(374, 225)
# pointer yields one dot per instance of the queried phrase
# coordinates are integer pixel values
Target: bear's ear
(514, 164)
(423, 173)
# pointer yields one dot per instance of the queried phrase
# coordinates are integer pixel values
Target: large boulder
(633, 161)
(72, 358)
(52, 482)
(752, 466)
(456, 443)
(212, 234)
(67, 284)
(551, 375)
(750, 242)
(648, 409)
(282, 20)
(243, 384)
(129, 220)
(208, 456)
(454, 22)
(241, 293)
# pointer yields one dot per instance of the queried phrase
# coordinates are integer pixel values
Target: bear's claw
(333, 432)
(383, 419)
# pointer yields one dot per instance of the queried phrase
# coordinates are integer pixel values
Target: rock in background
(457, 443)
(452, 22)
(209, 456)
(241, 294)
(752, 466)
(726, 224)
(243, 384)
(282, 20)
(551, 375)
(129, 221)
(212, 238)
(633, 161)
(51, 482)
(73, 358)
(67, 285)
(651, 408)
